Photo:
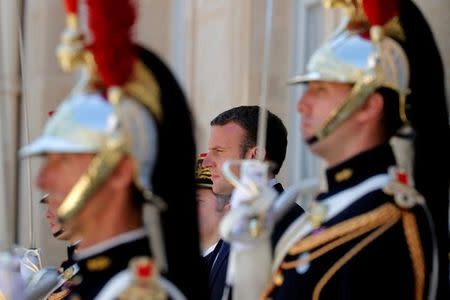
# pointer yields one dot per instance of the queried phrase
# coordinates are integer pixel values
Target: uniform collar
(71, 249)
(111, 243)
(100, 264)
(359, 168)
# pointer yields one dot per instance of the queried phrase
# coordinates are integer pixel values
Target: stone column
(45, 86)
(9, 96)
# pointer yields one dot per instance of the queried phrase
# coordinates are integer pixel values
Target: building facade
(215, 48)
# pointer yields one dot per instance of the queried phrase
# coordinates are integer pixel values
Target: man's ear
(123, 175)
(372, 108)
(252, 153)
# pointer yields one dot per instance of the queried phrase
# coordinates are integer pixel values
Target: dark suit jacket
(293, 213)
(218, 272)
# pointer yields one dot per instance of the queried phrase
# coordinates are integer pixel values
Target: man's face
(57, 175)
(208, 214)
(224, 144)
(315, 106)
(56, 228)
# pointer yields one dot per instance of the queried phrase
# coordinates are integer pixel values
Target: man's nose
(302, 104)
(42, 178)
(207, 162)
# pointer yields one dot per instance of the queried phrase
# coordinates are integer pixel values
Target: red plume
(111, 22)
(71, 6)
(379, 12)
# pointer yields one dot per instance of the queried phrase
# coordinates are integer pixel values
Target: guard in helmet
(371, 234)
(108, 153)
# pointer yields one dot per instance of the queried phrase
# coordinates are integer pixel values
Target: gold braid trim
(349, 255)
(328, 247)
(277, 280)
(365, 222)
(59, 295)
(380, 219)
(415, 251)
(386, 215)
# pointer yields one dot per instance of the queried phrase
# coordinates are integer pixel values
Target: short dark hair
(247, 117)
(391, 112)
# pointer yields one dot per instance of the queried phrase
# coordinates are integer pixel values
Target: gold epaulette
(59, 295)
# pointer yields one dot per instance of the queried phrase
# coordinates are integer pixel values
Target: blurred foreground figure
(374, 94)
(108, 155)
(11, 282)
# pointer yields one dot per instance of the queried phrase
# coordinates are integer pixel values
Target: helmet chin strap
(58, 233)
(101, 167)
(358, 95)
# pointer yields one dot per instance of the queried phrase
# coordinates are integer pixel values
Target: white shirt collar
(111, 243)
(209, 250)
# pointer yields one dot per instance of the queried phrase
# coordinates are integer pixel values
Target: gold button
(98, 263)
(343, 175)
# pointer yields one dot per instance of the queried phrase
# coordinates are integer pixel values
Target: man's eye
(317, 88)
(320, 89)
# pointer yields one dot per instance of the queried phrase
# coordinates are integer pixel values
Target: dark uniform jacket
(69, 261)
(68, 269)
(97, 269)
(382, 269)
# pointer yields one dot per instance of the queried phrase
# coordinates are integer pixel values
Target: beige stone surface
(217, 72)
(152, 28)
(437, 13)
(45, 85)
(9, 96)
(228, 59)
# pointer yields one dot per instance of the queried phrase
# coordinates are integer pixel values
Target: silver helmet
(87, 123)
(368, 62)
